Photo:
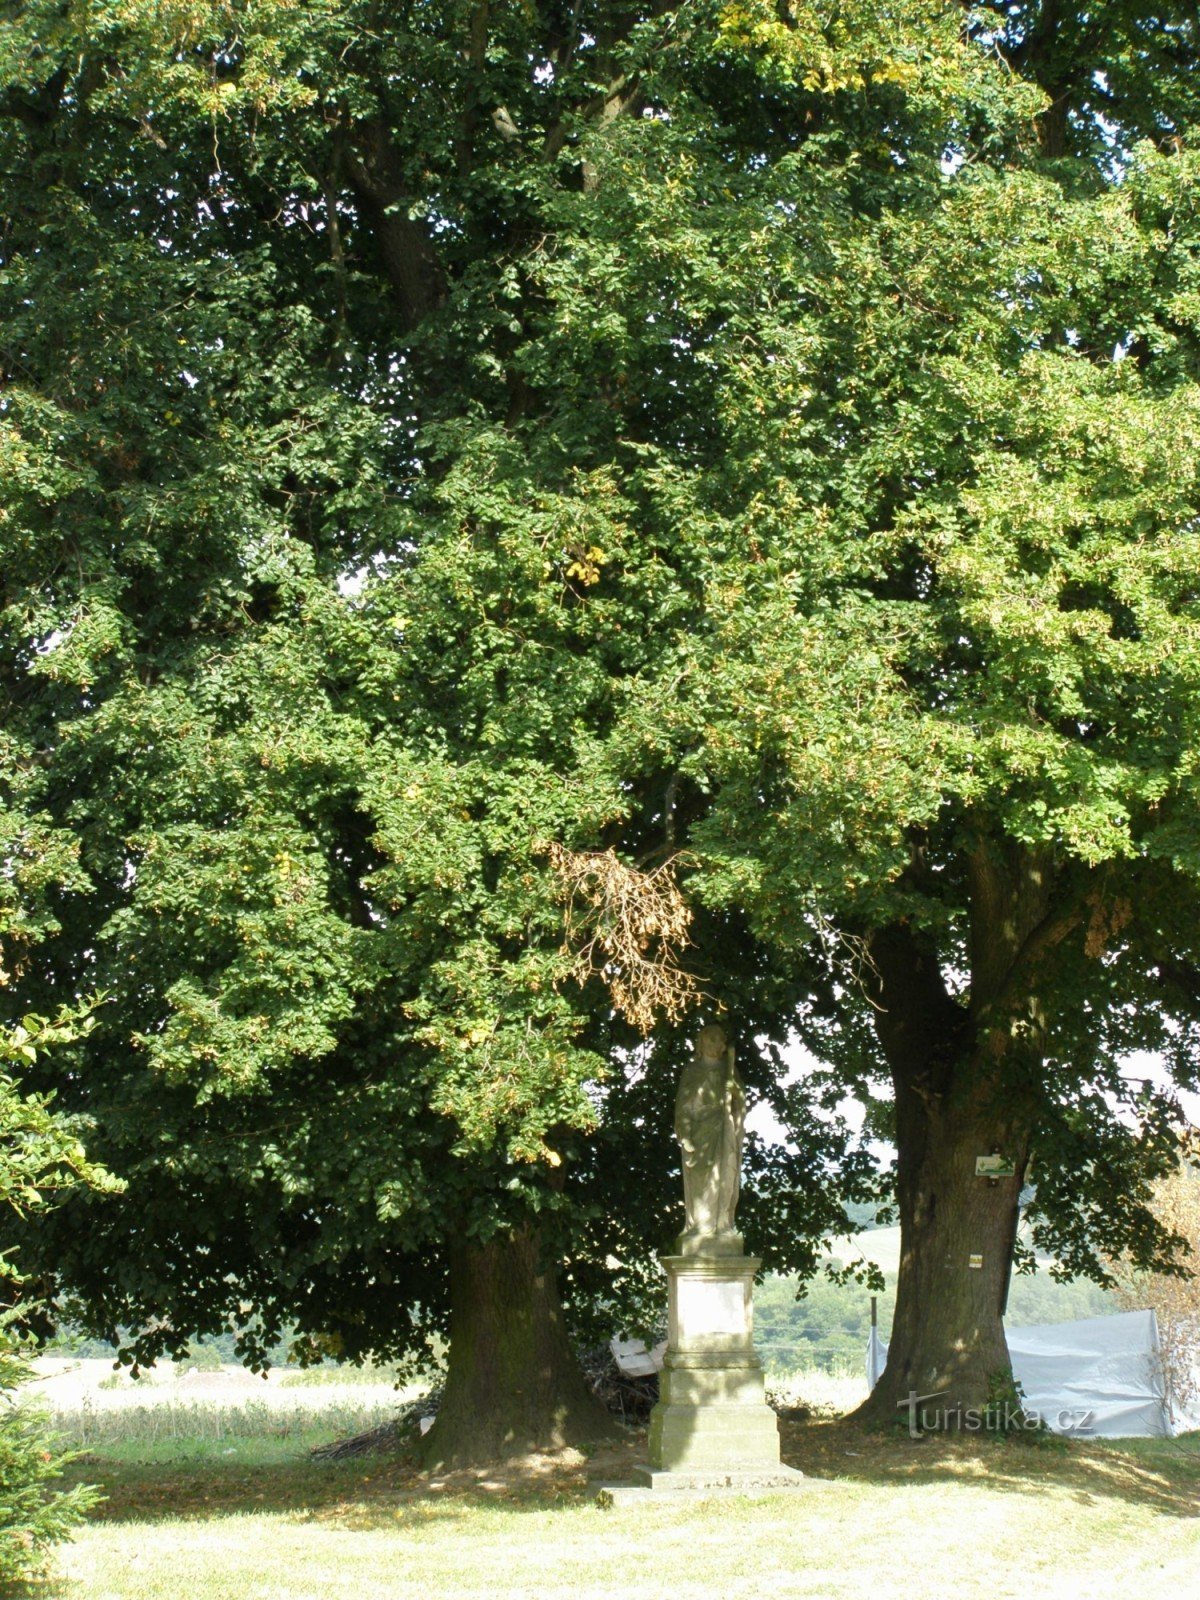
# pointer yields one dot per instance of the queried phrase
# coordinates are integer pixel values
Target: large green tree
(435, 437)
(322, 600)
(930, 712)
(947, 709)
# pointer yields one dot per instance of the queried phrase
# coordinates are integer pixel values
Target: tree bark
(957, 1232)
(513, 1385)
(407, 255)
(966, 1081)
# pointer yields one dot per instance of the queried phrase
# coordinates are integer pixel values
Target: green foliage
(329, 608)
(1036, 1299)
(827, 1328)
(757, 439)
(39, 1157)
(35, 1512)
(42, 1155)
(200, 1357)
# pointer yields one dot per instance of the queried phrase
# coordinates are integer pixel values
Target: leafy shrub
(200, 1358)
(40, 1157)
(34, 1514)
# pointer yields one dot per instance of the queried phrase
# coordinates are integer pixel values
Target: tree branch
(36, 108)
(409, 260)
(918, 1022)
(477, 40)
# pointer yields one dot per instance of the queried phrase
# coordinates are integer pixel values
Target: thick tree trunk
(966, 1076)
(957, 1232)
(513, 1385)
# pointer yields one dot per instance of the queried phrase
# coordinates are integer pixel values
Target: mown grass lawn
(891, 1517)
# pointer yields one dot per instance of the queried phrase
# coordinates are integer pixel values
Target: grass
(253, 1518)
(336, 1375)
(179, 1427)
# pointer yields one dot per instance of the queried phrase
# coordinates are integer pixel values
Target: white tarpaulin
(633, 1358)
(1101, 1376)
(1107, 1367)
(876, 1358)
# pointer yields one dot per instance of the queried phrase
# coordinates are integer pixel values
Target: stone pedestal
(712, 1426)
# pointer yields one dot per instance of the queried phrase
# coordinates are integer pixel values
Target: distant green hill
(829, 1327)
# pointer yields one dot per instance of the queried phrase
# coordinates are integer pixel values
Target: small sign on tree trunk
(995, 1167)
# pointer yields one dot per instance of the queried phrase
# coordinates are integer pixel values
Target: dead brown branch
(628, 928)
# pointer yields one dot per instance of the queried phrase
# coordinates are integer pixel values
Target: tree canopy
(311, 661)
(755, 441)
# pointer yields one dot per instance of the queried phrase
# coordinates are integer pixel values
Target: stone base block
(649, 1485)
(743, 1481)
(711, 1416)
(726, 1385)
(713, 1438)
(709, 1244)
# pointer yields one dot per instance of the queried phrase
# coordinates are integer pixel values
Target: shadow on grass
(363, 1492)
(1162, 1475)
(389, 1489)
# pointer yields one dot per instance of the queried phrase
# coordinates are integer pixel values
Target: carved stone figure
(712, 1427)
(710, 1124)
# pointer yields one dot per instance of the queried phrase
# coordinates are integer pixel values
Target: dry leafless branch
(628, 928)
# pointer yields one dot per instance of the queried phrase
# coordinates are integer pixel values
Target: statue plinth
(708, 1244)
(712, 1426)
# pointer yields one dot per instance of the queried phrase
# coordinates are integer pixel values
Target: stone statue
(710, 1124)
(712, 1427)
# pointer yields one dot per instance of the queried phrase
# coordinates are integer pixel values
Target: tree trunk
(966, 1076)
(957, 1232)
(513, 1385)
